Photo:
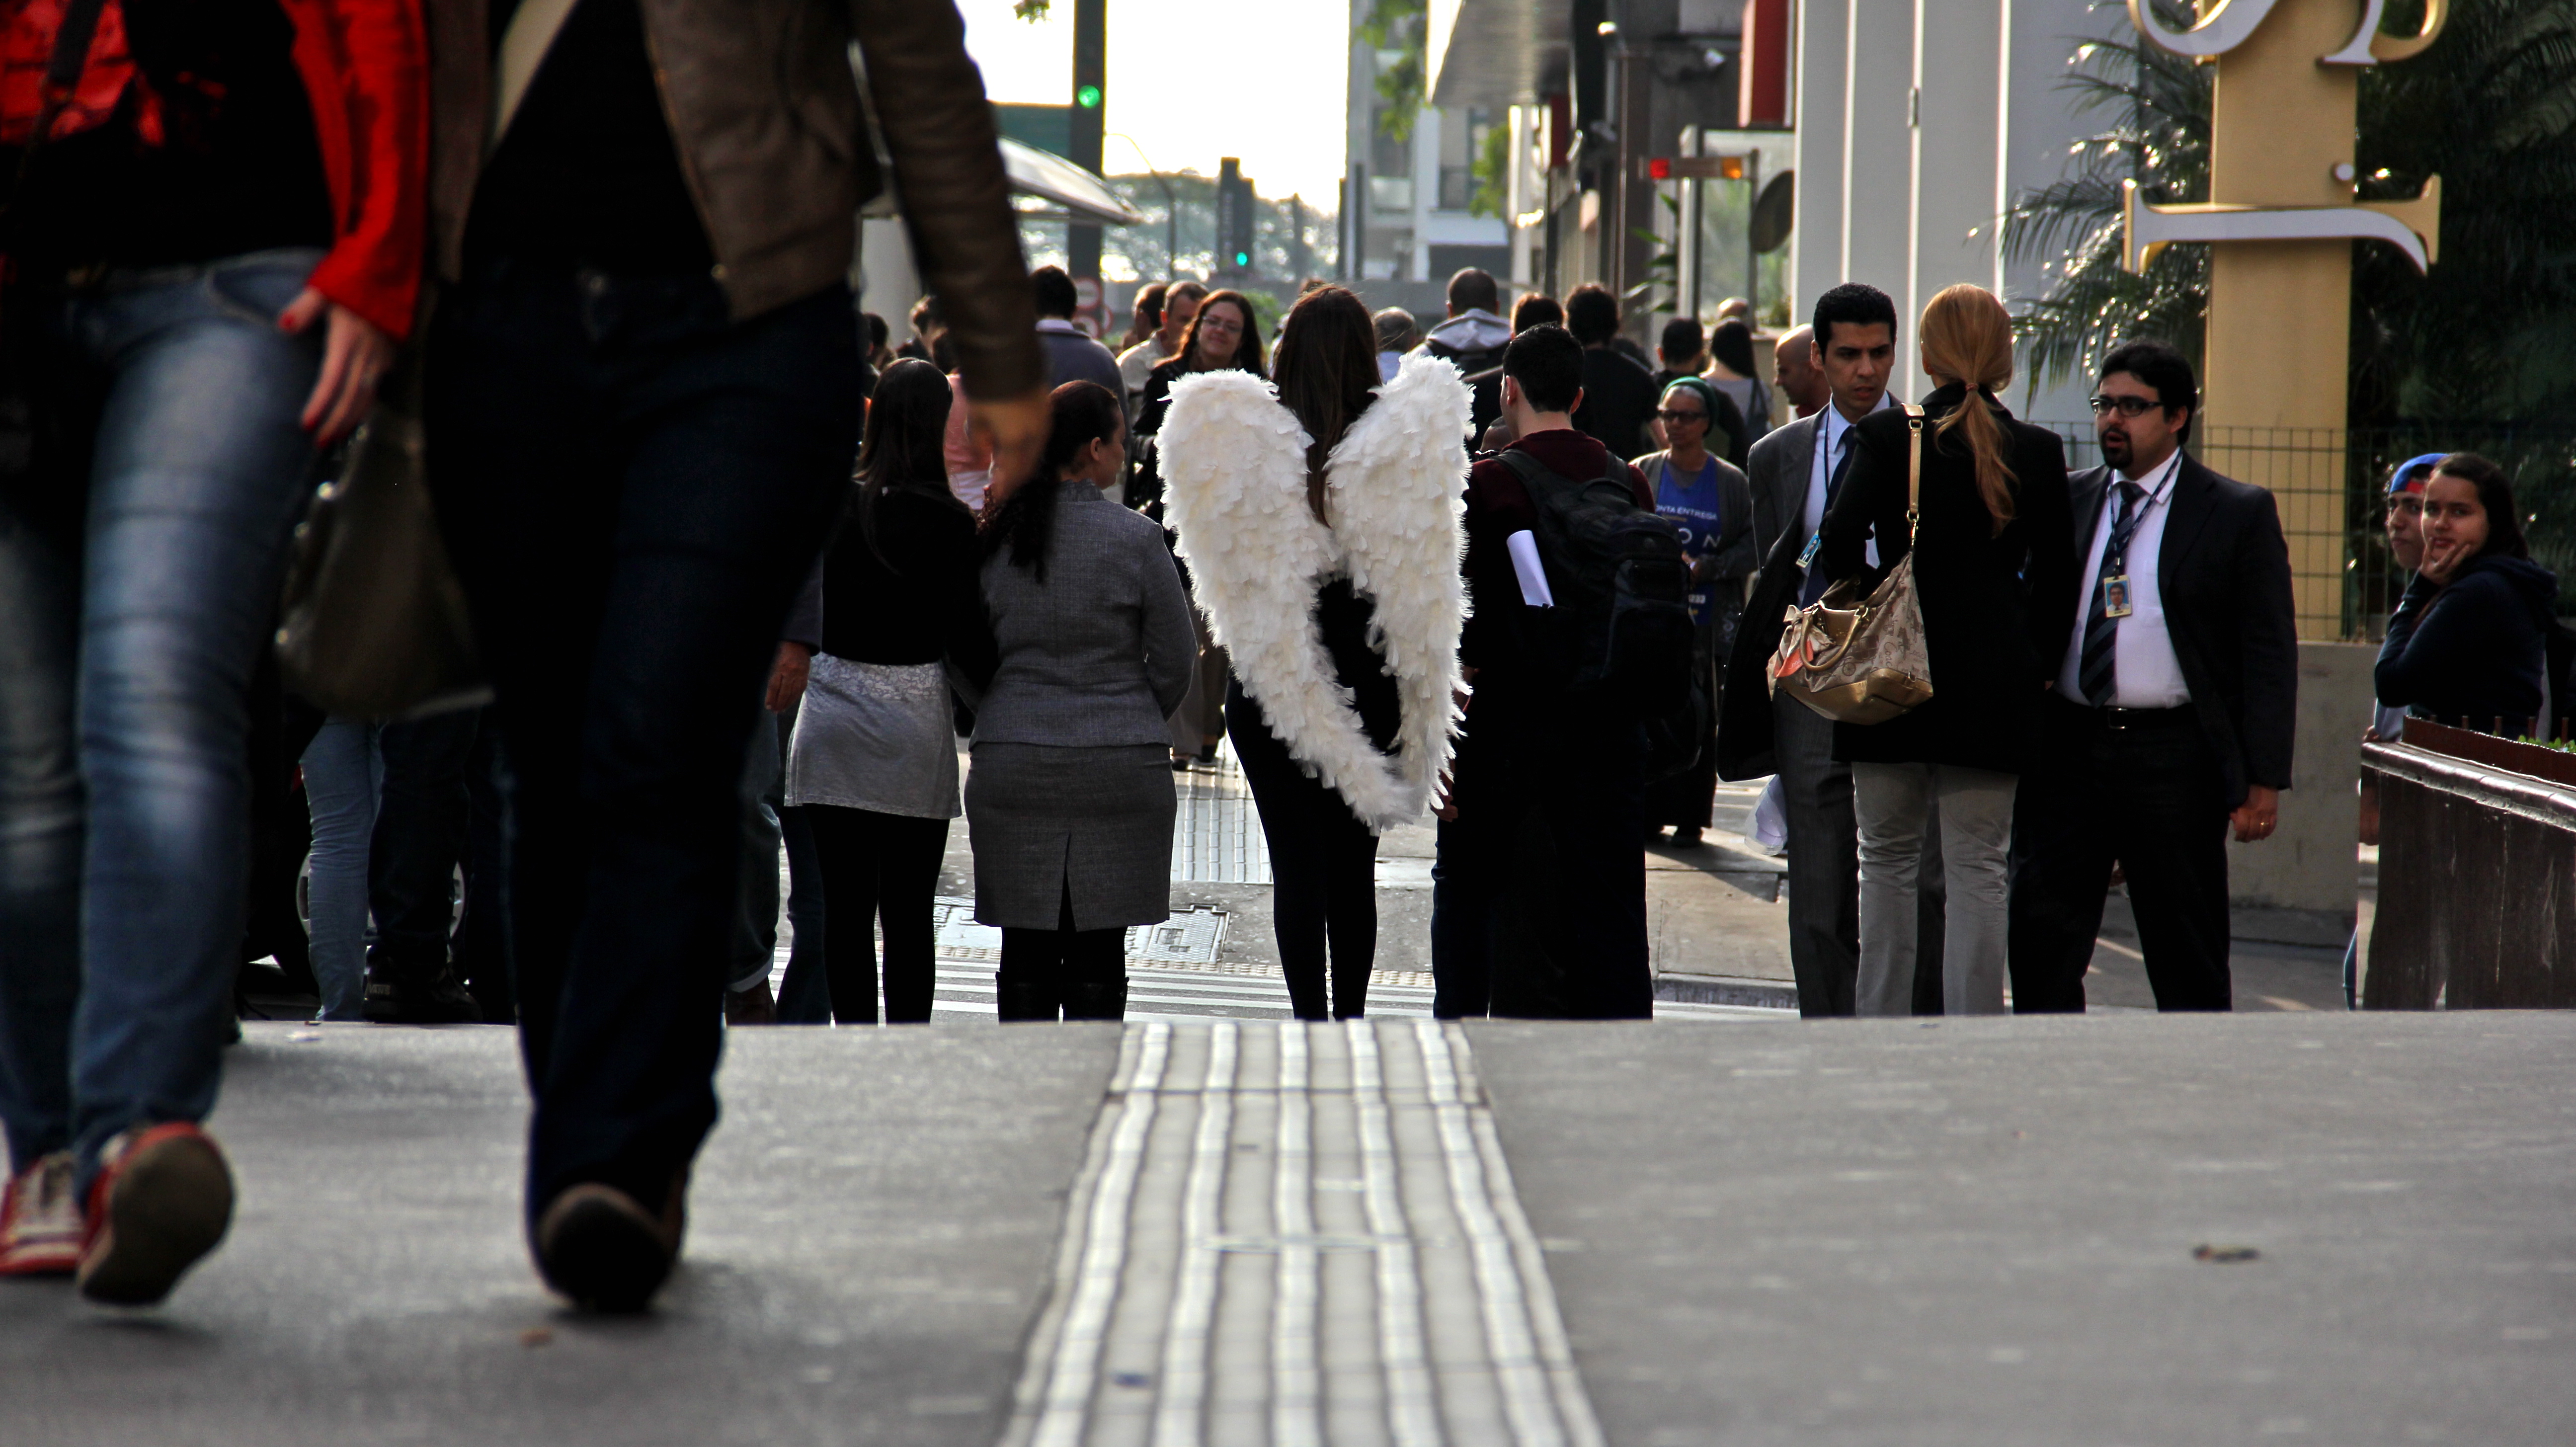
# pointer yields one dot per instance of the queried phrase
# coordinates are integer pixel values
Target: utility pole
(1299, 261)
(1090, 99)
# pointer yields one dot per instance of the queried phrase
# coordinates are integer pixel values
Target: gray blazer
(1101, 651)
(1778, 469)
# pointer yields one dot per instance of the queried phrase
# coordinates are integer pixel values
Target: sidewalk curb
(1726, 990)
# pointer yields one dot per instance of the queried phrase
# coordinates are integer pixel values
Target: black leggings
(1062, 973)
(1323, 871)
(878, 865)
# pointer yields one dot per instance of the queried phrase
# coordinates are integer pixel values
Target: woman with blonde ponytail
(1991, 530)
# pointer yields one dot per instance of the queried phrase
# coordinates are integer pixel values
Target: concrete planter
(2477, 874)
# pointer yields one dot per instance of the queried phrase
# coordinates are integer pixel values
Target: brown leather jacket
(777, 148)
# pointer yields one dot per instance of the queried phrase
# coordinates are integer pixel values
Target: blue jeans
(634, 488)
(342, 772)
(140, 557)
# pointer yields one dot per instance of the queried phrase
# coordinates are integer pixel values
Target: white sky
(1193, 81)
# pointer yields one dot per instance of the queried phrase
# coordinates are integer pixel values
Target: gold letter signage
(2281, 219)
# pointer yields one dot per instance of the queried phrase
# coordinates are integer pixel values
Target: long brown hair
(1967, 338)
(1247, 349)
(1326, 369)
(900, 450)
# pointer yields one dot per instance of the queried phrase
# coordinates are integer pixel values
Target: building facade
(1408, 209)
(1905, 127)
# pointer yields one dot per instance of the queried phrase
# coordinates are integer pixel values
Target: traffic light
(1087, 97)
(1234, 216)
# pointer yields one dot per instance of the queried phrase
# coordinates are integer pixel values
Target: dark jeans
(419, 840)
(482, 946)
(2151, 797)
(879, 866)
(1546, 845)
(755, 924)
(1323, 870)
(633, 488)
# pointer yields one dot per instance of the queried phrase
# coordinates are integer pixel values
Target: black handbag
(374, 623)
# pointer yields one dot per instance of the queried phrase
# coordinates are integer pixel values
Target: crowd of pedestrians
(741, 574)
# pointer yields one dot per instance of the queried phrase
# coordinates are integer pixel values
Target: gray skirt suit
(1069, 787)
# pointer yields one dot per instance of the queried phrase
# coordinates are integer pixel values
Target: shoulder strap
(1913, 469)
(1531, 470)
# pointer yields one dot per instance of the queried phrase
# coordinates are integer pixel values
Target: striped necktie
(2097, 672)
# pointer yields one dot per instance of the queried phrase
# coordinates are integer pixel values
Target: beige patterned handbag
(1863, 662)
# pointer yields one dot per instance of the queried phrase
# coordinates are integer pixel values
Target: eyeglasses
(2126, 406)
(1670, 416)
(1219, 324)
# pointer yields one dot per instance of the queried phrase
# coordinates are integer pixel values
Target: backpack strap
(1913, 469)
(1532, 471)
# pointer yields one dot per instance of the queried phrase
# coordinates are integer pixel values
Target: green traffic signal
(1087, 97)
(1243, 258)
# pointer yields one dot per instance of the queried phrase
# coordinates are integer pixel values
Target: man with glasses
(2171, 719)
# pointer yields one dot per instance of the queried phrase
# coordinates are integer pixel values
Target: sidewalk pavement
(1760, 1232)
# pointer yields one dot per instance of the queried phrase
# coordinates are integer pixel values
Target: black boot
(1023, 1000)
(416, 991)
(1097, 1000)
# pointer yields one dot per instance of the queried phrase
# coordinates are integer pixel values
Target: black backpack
(1622, 586)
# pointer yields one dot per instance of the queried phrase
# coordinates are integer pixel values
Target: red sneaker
(162, 1199)
(40, 1220)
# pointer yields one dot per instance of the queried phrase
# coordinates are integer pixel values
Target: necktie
(2096, 672)
(1814, 587)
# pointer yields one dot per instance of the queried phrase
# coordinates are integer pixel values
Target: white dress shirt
(1830, 434)
(1833, 433)
(2144, 671)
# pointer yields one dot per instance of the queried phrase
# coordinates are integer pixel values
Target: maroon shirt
(1499, 506)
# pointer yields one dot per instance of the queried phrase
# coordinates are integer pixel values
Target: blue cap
(2413, 473)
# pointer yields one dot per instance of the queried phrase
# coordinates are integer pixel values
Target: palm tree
(2157, 109)
(2490, 107)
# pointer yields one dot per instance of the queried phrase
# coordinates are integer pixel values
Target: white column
(2040, 123)
(1426, 190)
(1816, 151)
(1521, 184)
(1958, 59)
(1878, 161)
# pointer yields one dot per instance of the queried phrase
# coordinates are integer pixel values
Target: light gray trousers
(1890, 803)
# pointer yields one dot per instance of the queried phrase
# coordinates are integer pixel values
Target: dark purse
(374, 624)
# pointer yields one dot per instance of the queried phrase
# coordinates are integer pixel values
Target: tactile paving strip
(1291, 1234)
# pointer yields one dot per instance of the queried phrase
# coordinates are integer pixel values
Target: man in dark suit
(1794, 471)
(2172, 717)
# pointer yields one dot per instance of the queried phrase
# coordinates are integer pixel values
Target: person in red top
(214, 235)
(1529, 753)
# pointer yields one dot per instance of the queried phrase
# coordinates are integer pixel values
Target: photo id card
(2115, 596)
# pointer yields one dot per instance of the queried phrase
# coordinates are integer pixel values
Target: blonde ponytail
(1967, 338)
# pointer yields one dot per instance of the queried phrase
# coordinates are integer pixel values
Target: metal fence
(2330, 483)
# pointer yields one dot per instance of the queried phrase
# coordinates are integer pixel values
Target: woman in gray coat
(1069, 800)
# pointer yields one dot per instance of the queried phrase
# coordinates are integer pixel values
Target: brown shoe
(162, 1199)
(598, 1246)
(755, 1006)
